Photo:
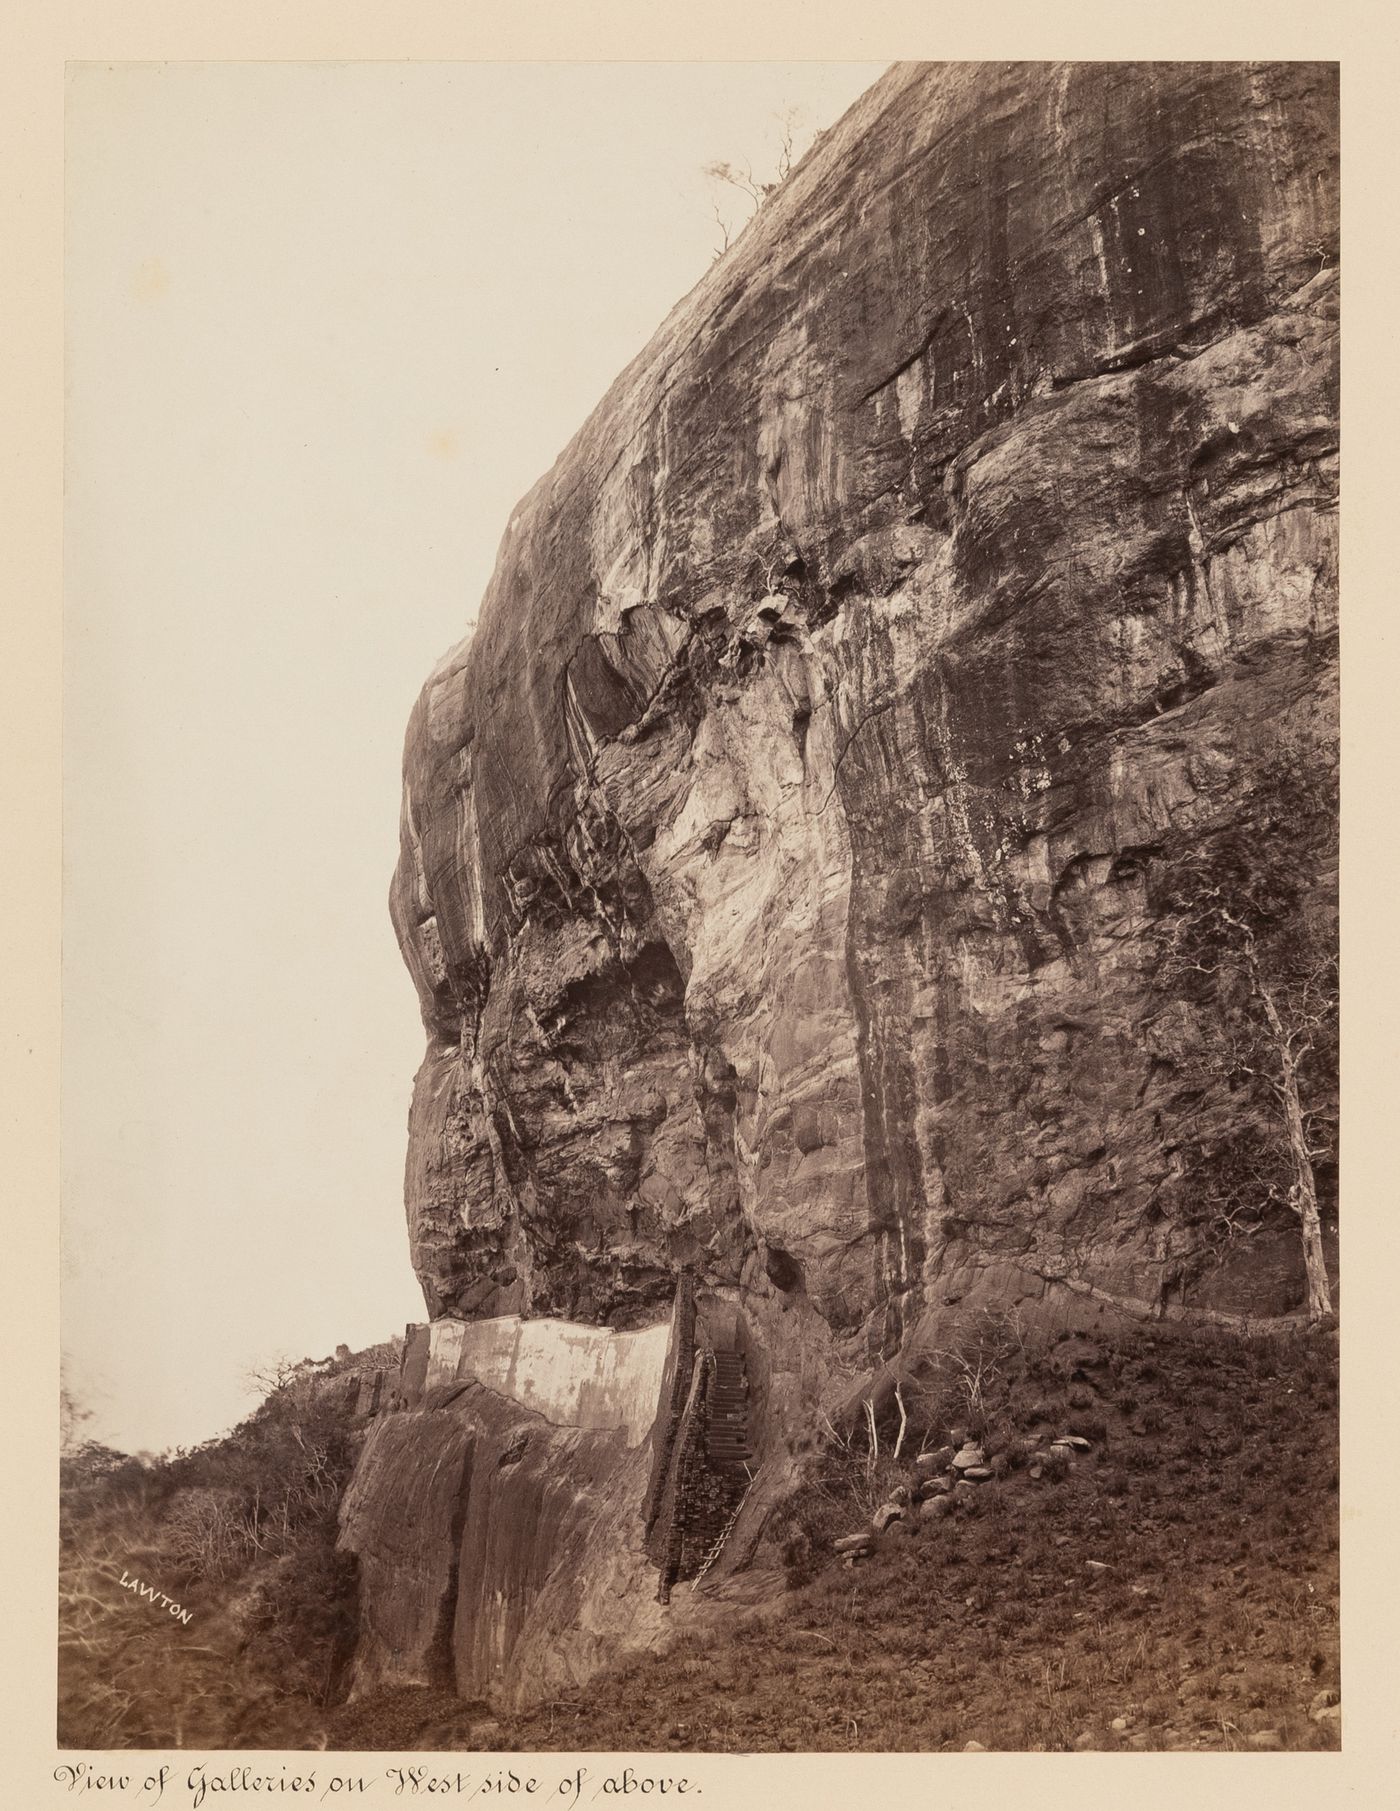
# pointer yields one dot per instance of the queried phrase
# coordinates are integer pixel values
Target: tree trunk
(1303, 1194)
(1314, 1263)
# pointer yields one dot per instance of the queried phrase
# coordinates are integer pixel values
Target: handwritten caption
(203, 1787)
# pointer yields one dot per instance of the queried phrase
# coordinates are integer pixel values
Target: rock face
(539, 1489)
(774, 854)
(777, 856)
(499, 1555)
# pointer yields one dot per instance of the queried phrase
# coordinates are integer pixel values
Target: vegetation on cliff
(1248, 944)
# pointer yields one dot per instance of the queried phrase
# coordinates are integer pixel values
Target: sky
(326, 324)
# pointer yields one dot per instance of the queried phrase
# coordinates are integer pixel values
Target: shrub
(206, 1533)
(249, 1522)
(307, 1611)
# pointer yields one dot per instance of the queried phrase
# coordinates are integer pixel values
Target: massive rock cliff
(772, 862)
(778, 853)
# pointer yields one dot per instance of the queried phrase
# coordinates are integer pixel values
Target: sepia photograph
(701, 909)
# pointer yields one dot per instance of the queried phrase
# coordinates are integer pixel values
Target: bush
(306, 1612)
(255, 1494)
(95, 1480)
(206, 1533)
(243, 1529)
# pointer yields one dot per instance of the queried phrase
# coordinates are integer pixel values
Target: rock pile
(942, 1478)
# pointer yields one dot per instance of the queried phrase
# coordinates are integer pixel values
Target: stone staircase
(702, 1467)
(727, 1425)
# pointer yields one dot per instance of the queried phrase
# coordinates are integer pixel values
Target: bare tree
(1247, 939)
(739, 176)
(272, 1375)
(788, 119)
(736, 178)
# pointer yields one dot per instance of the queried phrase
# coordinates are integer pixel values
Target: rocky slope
(780, 863)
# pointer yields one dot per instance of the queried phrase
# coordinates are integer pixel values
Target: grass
(240, 1531)
(1208, 1502)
